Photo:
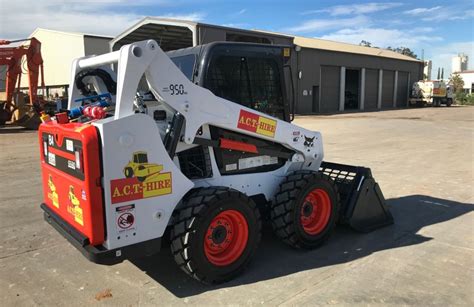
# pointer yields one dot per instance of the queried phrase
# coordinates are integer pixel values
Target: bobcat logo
(308, 142)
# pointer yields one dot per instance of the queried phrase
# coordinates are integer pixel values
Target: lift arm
(198, 105)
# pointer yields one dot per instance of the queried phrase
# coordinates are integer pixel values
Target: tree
(405, 51)
(456, 82)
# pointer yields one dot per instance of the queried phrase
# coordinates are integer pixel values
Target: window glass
(186, 64)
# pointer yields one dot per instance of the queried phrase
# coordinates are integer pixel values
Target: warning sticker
(125, 218)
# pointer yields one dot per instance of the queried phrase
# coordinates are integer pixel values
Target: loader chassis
(201, 162)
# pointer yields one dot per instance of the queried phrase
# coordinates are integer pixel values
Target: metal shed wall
(309, 62)
(402, 89)
(329, 89)
(371, 88)
(387, 88)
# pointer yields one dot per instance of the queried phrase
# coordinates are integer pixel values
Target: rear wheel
(305, 209)
(216, 234)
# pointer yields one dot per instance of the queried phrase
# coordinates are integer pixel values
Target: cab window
(140, 158)
(250, 81)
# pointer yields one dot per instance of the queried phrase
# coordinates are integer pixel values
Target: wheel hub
(315, 211)
(226, 238)
(219, 234)
(307, 209)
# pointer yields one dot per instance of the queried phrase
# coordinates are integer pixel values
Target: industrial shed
(59, 49)
(328, 76)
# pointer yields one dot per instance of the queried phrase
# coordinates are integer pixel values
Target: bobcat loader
(199, 162)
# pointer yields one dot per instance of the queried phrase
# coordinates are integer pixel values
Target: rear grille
(195, 162)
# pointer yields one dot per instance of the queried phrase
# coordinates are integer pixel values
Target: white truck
(431, 92)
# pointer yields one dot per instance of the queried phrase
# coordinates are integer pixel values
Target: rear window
(185, 63)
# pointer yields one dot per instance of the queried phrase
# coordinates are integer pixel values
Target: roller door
(402, 89)
(330, 79)
(371, 89)
(387, 89)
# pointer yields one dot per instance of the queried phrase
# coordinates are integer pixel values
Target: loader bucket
(29, 121)
(363, 205)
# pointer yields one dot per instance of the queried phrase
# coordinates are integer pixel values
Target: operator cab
(251, 75)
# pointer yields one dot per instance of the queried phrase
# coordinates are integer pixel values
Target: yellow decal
(53, 195)
(74, 207)
(142, 180)
(256, 123)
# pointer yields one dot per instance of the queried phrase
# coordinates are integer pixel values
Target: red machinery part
(316, 211)
(226, 238)
(12, 57)
(70, 167)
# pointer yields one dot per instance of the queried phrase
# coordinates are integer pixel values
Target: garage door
(402, 90)
(371, 88)
(330, 78)
(387, 89)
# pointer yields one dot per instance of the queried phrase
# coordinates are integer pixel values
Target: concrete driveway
(422, 158)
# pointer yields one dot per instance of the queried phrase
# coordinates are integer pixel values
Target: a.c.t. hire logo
(142, 180)
(256, 123)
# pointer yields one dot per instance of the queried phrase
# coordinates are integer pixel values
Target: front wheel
(305, 209)
(128, 171)
(216, 234)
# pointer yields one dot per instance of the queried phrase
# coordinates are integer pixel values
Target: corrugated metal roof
(323, 44)
(69, 33)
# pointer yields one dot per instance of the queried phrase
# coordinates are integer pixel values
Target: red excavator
(13, 58)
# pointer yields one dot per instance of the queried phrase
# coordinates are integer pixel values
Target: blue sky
(440, 28)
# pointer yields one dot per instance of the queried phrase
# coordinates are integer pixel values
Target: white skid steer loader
(199, 159)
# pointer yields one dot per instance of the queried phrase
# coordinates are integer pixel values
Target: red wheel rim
(315, 211)
(226, 238)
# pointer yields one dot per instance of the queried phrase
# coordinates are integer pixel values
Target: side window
(228, 78)
(185, 63)
(266, 86)
(251, 82)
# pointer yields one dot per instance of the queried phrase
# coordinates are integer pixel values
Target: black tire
(449, 102)
(193, 218)
(288, 204)
(128, 172)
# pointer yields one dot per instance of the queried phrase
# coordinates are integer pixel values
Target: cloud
(104, 17)
(422, 10)
(316, 25)
(439, 13)
(196, 16)
(383, 37)
(242, 11)
(365, 8)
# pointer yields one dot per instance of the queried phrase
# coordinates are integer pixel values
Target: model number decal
(177, 89)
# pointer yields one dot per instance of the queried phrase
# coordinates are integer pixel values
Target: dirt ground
(422, 158)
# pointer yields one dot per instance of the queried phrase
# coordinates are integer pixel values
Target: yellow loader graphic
(74, 207)
(140, 168)
(53, 194)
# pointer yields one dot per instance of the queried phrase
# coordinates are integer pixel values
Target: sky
(436, 29)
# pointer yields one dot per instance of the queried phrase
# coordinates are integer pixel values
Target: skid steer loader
(212, 148)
